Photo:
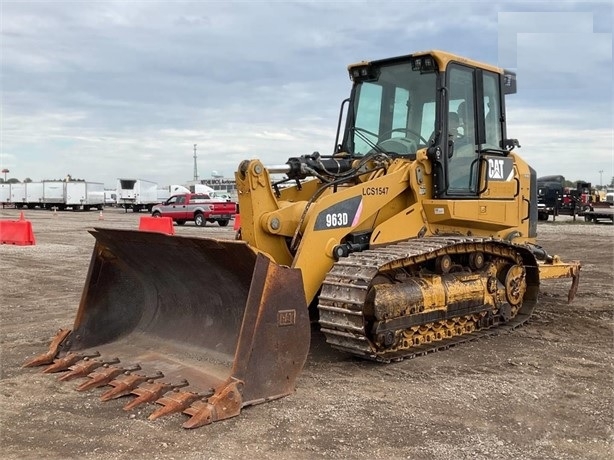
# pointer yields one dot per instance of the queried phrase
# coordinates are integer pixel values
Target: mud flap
(222, 322)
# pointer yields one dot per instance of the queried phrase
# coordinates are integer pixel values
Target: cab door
(483, 186)
(175, 207)
(181, 208)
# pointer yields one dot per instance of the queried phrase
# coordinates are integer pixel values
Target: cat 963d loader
(416, 233)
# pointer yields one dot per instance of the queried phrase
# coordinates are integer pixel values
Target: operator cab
(449, 105)
(392, 108)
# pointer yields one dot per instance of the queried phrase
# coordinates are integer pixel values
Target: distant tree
(13, 180)
(69, 178)
(612, 182)
(26, 180)
(569, 183)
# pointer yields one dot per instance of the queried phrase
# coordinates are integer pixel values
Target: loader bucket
(224, 324)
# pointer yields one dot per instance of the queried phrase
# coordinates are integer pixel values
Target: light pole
(5, 172)
(195, 167)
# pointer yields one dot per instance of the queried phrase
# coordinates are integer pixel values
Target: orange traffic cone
(100, 216)
(21, 216)
(237, 224)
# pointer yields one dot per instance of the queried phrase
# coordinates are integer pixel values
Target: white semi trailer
(54, 194)
(34, 195)
(5, 194)
(18, 194)
(77, 195)
(84, 195)
(136, 194)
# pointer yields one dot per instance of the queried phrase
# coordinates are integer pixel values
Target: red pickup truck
(199, 207)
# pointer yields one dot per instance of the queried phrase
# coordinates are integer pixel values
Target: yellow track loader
(418, 232)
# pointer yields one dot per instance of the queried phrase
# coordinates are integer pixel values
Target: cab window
(463, 156)
(492, 110)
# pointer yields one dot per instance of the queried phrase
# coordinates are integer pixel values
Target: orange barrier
(157, 224)
(18, 232)
(237, 224)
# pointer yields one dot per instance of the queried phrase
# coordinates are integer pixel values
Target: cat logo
(495, 168)
(500, 169)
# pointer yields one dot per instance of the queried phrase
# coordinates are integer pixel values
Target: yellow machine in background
(417, 233)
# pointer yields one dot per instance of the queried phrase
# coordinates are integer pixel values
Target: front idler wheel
(515, 284)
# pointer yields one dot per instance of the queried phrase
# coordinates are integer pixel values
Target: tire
(180, 222)
(156, 214)
(200, 220)
(223, 222)
(542, 216)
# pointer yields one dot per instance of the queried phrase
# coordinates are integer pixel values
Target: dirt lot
(542, 391)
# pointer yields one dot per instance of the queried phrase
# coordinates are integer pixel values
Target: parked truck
(197, 207)
(136, 194)
(110, 197)
(554, 198)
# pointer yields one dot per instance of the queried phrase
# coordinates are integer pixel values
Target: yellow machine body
(417, 233)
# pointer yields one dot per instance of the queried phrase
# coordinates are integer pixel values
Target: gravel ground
(544, 391)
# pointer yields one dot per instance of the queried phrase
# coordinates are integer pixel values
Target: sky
(102, 90)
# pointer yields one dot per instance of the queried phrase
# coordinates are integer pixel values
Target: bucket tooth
(174, 402)
(63, 364)
(150, 391)
(100, 378)
(49, 356)
(223, 404)
(124, 384)
(85, 367)
(201, 413)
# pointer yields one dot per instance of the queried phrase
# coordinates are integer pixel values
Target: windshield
(393, 114)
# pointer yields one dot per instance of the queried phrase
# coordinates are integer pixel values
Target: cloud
(107, 89)
(550, 147)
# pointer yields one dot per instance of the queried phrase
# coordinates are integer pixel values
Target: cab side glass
(492, 110)
(463, 161)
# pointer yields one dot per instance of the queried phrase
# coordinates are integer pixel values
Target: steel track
(345, 288)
